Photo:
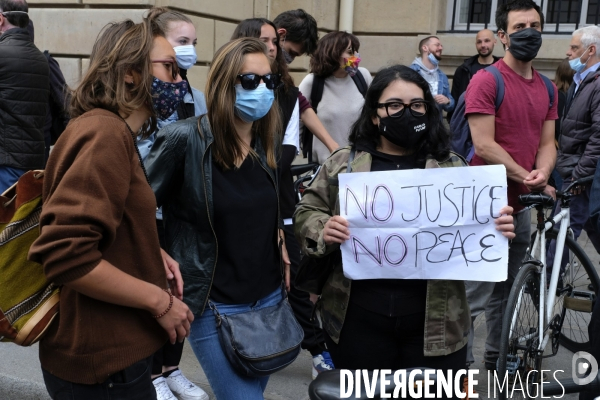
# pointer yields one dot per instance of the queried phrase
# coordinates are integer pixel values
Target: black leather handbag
(261, 342)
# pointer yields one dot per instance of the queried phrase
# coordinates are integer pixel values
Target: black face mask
(525, 44)
(406, 131)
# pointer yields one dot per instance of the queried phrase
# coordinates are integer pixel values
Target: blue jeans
(226, 382)
(9, 176)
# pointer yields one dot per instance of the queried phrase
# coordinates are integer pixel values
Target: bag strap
(492, 69)
(350, 159)
(316, 93)
(361, 84)
(550, 88)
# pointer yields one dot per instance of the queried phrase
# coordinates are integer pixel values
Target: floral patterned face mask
(166, 96)
(351, 64)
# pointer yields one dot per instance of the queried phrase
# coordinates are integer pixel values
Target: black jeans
(314, 340)
(132, 383)
(373, 341)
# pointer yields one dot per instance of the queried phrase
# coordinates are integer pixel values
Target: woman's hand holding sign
(504, 223)
(336, 230)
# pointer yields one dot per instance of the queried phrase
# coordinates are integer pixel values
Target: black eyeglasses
(395, 109)
(170, 65)
(251, 81)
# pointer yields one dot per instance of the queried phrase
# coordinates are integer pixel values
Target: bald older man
(484, 43)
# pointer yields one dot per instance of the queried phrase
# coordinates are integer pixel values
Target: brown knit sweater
(97, 205)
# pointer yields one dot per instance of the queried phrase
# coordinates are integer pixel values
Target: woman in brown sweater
(98, 237)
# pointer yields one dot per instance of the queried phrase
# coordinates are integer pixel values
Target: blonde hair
(160, 18)
(228, 148)
(120, 49)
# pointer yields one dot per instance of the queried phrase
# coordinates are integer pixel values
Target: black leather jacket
(179, 168)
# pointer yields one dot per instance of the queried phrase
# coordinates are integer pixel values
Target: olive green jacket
(447, 320)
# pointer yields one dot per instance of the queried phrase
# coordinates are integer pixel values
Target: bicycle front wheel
(575, 295)
(519, 361)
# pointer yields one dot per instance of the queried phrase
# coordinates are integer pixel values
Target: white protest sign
(425, 224)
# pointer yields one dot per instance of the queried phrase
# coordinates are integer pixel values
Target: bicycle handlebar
(578, 182)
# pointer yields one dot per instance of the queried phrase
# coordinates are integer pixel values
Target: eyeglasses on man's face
(395, 109)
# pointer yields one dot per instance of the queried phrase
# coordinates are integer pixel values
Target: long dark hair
(251, 28)
(564, 76)
(437, 141)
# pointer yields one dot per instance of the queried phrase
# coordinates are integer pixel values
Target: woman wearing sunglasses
(286, 96)
(377, 323)
(98, 238)
(215, 177)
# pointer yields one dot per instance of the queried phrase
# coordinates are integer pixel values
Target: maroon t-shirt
(519, 119)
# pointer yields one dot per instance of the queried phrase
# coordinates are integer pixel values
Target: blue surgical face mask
(252, 105)
(186, 56)
(577, 65)
(433, 60)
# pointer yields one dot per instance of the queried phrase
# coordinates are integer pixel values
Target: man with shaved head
(484, 43)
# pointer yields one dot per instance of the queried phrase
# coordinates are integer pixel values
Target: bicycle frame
(548, 296)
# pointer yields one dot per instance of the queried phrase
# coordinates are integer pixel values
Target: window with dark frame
(563, 11)
(593, 12)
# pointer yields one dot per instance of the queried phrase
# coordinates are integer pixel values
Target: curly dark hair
(301, 28)
(251, 28)
(326, 59)
(436, 143)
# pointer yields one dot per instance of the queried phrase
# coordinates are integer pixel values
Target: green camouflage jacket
(447, 319)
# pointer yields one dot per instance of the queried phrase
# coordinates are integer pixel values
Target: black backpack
(460, 133)
(316, 95)
(58, 99)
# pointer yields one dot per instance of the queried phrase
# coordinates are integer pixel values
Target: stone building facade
(389, 30)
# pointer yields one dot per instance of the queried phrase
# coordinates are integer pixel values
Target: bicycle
(538, 312)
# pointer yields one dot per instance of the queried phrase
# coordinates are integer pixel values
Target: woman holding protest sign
(405, 322)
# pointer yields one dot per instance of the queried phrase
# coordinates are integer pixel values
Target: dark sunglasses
(395, 109)
(170, 65)
(251, 81)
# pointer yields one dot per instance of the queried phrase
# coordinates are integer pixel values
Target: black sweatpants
(373, 341)
(314, 340)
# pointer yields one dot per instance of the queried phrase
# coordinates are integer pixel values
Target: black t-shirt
(391, 297)
(245, 222)
(475, 67)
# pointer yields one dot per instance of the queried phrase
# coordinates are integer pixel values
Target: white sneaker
(162, 389)
(183, 388)
(321, 363)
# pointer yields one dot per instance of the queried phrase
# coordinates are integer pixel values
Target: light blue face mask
(433, 60)
(252, 105)
(577, 65)
(186, 56)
